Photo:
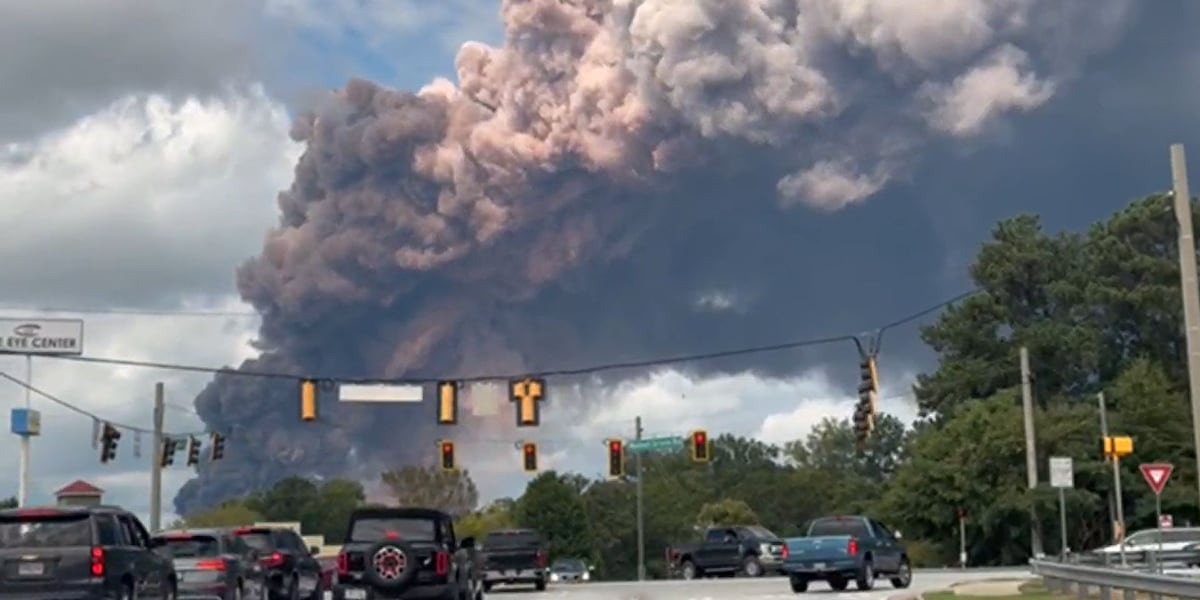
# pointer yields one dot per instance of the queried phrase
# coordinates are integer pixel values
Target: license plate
(356, 594)
(30, 569)
(818, 566)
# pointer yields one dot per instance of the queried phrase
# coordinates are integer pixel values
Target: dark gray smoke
(621, 178)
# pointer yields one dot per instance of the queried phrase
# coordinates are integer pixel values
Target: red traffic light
(530, 448)
(447, 447)
(700, 438)
(614, 446)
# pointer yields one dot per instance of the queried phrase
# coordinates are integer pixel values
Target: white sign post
(29, 337)
(1062, 477)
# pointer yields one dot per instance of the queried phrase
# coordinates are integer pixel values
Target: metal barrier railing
(1142, 573)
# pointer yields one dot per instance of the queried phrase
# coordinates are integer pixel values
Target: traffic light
(528, 395)
(1116, 447)
(616, 458)
(529, 454)
(193, 451)
(308, 400)
(447, 403)
(217, 452)
(447, 456)
(868, 400)
(108, 443)
(168, 452)
(701, 446)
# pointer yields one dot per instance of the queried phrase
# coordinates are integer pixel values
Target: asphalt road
(747, 589)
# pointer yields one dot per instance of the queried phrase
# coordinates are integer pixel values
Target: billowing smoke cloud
(582, 192)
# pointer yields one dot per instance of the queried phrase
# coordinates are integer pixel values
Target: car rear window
(45, 530)
(189, 546)
(512, 539)
(373, 529)
(851, 527)
(258, 539)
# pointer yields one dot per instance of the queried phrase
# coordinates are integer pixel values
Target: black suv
(80, 553)
(290, 570)
(406, 553)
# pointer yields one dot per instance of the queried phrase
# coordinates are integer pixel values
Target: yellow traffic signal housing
(448, 463)
(447, 403)
(528, 395)
(529, 457)
(308, 400)
(193, 451)
(217, 450)
(616, 458)
(1116, 446)
(701, 446)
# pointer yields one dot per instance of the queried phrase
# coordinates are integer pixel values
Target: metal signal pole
(641, 523)
(1188, 283)
(156, 459)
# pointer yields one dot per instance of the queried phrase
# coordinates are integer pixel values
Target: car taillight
(97, 562)
(211, 565)
(442, 563)
(852, 548)
(542, 559)
(272, 561)
(343, 564)
(786, 552)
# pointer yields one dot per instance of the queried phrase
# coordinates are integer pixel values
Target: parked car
(85, 552)
(748, 549)
(289, 568)
(212, 564)
(841, 549)
(400, 553)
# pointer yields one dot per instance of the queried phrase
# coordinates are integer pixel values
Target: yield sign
(1157, 475)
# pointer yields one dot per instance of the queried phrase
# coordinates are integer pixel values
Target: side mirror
(899, 535)
(313, 550)
(467, 543)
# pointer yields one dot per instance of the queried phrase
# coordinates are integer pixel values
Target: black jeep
(406, 553)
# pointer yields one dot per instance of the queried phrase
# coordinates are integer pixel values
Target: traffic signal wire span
(587, 370)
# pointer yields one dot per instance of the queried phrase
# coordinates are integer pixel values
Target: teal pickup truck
(837, 550)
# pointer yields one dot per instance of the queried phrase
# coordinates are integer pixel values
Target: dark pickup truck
(839, 549)
(406, 553)
(515, 556)
(748, 549)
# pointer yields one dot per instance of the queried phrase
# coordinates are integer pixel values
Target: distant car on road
(290, 569)
(748, 549)
(515, 556)
(570, 570)
(86, 552)
(840, 549)
(212, 564)
(1173, 539)
(406, 553)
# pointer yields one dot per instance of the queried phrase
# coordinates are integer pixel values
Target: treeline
(1099, 311)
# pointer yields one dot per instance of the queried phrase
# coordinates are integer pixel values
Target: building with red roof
(79, 493)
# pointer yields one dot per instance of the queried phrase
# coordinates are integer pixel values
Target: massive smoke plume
(605, 185)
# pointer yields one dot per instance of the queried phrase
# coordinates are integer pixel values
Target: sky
(142, 150)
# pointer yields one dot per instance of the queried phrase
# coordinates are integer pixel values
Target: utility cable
(561, 372)
(133, 312)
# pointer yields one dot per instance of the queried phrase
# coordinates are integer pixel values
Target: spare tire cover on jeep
(391, 565)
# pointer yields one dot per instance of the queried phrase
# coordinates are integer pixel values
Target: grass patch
(1031, 590)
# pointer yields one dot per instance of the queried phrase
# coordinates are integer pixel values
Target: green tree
(8, 502)
(322, 508)
(495, 516)
(726, 512)
(551, 504)
(230, 514)
(452, 491)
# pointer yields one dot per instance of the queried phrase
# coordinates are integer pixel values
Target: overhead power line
(135, 312)
(562, 372)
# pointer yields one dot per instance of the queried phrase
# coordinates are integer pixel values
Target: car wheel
(752, 567)
(294, 589)
(169, 591)
(799, 585)
(126, 591)
(903, 576)
(866, 577)
(540, 585)
(838, 584)
(689, 570)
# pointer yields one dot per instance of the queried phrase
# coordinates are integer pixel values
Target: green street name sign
(659, 444)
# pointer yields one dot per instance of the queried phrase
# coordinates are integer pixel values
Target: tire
(294, 589)
(238, 593)
(752, 568)
(838, 584)
(865, 579)
(540, 585)
(799, 585)
(170, 592)
(903, 577)
(688, 570)
(126, 591)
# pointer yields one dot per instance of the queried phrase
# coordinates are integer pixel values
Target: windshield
(189, 546)
(569, 566)
(373, 530)
(511, 539)
(259, 540)
(831, 527)
(45, 530)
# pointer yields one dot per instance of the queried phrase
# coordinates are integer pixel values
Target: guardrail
(1142, 573)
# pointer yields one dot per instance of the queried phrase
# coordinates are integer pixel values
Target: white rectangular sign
(380, 392)
(1062, 472)
(41, 336)
(485, 398)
